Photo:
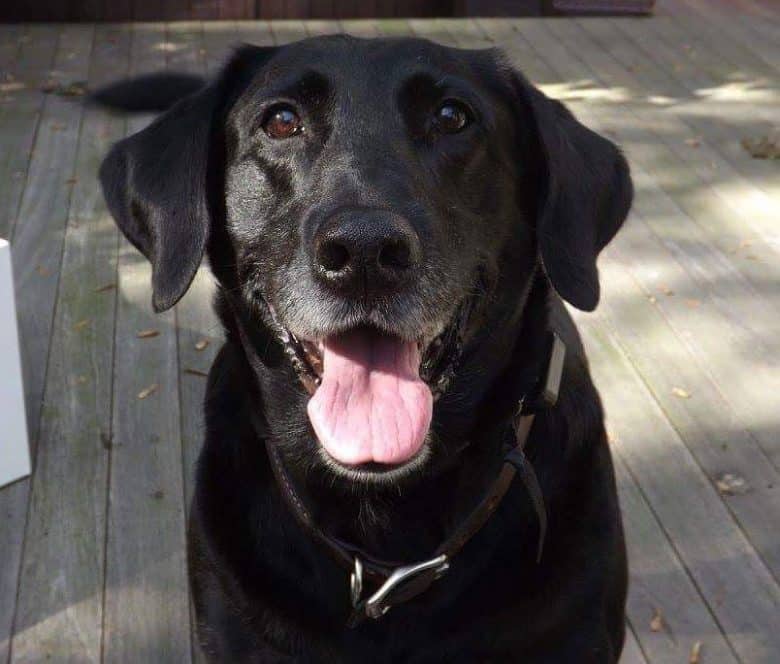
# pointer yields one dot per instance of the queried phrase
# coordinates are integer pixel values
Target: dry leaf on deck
(201, 344)
(147, 391)
(81, 324)
(148, 334)
(657, 623)
(695, 657)
(731, 485)
(680, 392)
(764, 147)
(196, 372)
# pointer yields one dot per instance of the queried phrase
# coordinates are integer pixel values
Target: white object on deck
(14, 447)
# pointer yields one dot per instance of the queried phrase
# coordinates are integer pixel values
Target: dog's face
(365, 198)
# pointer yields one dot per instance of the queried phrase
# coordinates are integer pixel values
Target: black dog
(392, 224)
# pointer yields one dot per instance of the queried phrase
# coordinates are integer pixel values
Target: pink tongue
(371, 404)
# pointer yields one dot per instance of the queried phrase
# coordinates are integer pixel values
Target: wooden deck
(684, 346)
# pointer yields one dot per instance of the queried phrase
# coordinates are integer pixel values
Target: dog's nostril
(395, 255)
(332, 256)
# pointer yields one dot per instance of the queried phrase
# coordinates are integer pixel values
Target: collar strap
(398, 582)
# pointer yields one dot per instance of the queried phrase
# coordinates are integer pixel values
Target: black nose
(364, 250)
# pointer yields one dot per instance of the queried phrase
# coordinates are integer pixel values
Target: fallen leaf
(202, 344)
(657, 623)
(652, 299)
(680, 392)
(42, 271)
(11, 86)
(148, 391)
(196, 372)
(71, 181)
(731, 485)
(764, 147)
(103, 289)
(693, 304)
(693, 142)
(81, 324)
(695, 657)
(666, 290)
(147, 334)
(74, 89)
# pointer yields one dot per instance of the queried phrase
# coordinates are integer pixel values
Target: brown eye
(452, 117)
(282, 122)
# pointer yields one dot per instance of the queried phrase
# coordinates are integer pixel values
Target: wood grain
(62, 620)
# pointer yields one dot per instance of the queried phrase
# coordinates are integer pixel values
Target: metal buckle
(381, 601)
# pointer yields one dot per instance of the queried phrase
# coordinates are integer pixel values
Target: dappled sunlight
(168, 47)
(684, 347)
(744, 92)
(586, 90)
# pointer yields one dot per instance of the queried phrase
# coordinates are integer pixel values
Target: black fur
(154, 92)
(511, 212)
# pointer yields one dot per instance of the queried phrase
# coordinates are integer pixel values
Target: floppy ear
(156, 181)
(585, 195)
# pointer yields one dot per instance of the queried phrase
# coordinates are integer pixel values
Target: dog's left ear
(585, 193)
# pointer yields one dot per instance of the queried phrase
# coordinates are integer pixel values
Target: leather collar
(396, 582)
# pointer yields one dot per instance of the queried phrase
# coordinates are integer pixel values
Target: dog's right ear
(156, 181)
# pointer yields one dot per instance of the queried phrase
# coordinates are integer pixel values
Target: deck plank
(29, 53)
(703, 227)
(37, 235)
(660, 583)
(747, 108)
(750, 398)
(755, 392)
(28, 57)
(739, 589)
(62, 620)
(632, 653)
(146, 597)
(747, 30)
(747, 207)
(709, 424)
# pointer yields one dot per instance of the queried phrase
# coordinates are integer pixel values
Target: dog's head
(366, 199)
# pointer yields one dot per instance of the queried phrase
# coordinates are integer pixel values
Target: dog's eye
(452, 117)
(282, 122)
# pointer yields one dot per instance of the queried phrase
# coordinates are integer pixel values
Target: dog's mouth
(372, 392)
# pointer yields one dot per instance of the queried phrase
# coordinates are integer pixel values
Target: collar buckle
(402, 585)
